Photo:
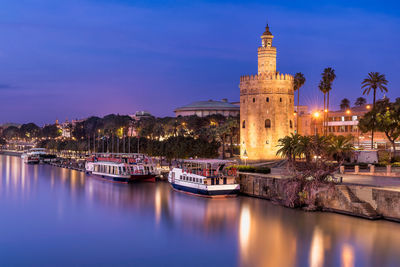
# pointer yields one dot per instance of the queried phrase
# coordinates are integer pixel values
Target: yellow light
(325, 110)
(316, 114)
(295, 114)
(368, 106)
(348, 111)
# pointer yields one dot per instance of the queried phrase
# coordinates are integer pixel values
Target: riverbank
(358, 200)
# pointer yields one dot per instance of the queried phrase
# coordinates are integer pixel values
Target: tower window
(291, 124)
(244, 100)
(280, 99)
(267, 99)
(267, 123)
(254, 99)
(244, 124)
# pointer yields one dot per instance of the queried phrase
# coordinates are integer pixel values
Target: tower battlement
(266, 76)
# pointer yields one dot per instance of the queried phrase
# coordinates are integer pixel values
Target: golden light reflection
(244, 228)
(347, 256)
(158, 205)
(317, 249)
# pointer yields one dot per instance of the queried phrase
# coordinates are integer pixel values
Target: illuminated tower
(266, 105)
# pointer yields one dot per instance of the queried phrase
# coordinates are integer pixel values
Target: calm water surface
(59, 217)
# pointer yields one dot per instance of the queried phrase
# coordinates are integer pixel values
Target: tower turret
(266, 53)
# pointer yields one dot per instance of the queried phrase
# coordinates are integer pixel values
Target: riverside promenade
(376, 179)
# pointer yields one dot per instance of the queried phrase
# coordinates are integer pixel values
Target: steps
(356, 206)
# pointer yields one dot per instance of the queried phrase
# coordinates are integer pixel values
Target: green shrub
(396, 164)
(252, 169)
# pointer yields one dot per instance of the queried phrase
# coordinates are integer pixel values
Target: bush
(251, 169)
(396, 164)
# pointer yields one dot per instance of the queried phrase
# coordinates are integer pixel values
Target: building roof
(210, 104)
(267, 31)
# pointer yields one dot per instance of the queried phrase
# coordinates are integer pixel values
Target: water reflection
(146, 219)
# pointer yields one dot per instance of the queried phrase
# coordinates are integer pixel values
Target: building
(266, 105)
(210, 107)
(345, 122)
(339, 122)
(141, 115)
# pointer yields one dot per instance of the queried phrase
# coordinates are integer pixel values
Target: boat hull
(206, 193)
(127, 179)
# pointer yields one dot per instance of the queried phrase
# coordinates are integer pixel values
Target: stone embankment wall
(358, 200)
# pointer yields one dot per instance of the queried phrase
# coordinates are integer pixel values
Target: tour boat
(208, 178)
(122, 167)
(37, 155)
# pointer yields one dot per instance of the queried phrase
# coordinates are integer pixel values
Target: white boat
(121, 167)
(208, 178)
(37, 155)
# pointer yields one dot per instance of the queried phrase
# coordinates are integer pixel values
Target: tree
(328, 76)
(11, 132)
(304, 147)
(50, 131)
(374, 81)
(345, 104)
(299, 81)
(29, 130)
(385, 117)
(340, 147)
(360, 101)
(322, 87)
(288, 146)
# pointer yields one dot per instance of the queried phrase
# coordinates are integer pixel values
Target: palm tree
(304, 148)
(345, 104)
(374, 81)
(360, 101)
(299, 81)
(341, 146)
(322, 88)
(328, 76)
(288, 147)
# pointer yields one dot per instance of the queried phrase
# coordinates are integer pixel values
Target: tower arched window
(280, 99)
(244, 124)
(291, 124)
(267, 123)
(267, 99)
(254, 99)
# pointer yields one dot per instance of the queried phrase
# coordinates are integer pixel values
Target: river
(58, 217)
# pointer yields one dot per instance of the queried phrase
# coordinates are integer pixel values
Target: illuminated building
(266, 105)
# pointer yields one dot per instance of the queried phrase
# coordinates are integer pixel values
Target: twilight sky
(75, 58)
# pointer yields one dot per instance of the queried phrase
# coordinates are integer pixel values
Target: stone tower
(266, 105)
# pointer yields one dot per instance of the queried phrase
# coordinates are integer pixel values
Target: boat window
(181, 177)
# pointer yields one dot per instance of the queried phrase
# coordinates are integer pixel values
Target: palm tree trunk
(323, 120)
(373, 120)
(298, 104)
(327, 113)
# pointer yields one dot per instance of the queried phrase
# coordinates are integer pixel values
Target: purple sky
(76, 58)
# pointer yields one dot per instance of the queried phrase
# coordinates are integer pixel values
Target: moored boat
(37, 155)
(207, 178)
(121, 167)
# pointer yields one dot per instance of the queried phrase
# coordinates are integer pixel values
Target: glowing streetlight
(368, 106)
(316, 114)
(348, 111)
